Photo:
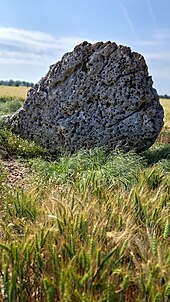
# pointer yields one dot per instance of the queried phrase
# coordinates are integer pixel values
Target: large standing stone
(98, 95)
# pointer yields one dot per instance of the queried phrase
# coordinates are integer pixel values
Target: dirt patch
(17, 172)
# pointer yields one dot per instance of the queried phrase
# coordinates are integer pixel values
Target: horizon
(35, 35)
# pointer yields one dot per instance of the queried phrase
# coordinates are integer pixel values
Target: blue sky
(36, 33)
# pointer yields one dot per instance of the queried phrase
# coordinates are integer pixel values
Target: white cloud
(14, 57)
(27, 54)
(32, 47)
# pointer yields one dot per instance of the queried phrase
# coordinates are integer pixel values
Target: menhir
(97, 95)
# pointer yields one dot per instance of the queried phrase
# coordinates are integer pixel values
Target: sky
(34, 34)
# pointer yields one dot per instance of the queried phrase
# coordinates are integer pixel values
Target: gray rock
(97, 95)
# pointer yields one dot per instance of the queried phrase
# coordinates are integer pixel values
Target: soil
(17, 172)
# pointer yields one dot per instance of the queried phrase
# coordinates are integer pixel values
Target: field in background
(11, 99)
(9, 91)
(166, 105)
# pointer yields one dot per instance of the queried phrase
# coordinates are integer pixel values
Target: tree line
(165, 96)
(16, 83)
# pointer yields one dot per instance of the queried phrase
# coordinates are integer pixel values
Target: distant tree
(16, 83)
(11, 83)
(165, 96)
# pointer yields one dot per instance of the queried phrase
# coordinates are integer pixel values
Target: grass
(93, 226)
(15, 146)
(9, 105)
(11, 98)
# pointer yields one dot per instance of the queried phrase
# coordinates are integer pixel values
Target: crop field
(11, 99)
(87, 227)
(10, 91)
(166, 105)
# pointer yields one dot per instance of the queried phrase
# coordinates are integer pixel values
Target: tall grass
(93, 226)
(60, 245)
(87, 235)
(91, 170)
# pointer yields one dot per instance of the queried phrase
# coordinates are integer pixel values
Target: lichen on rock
(98, 95)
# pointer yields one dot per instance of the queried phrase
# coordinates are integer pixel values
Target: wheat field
(20, 92)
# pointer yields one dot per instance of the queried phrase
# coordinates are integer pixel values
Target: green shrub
(17, 146)
(9, 105)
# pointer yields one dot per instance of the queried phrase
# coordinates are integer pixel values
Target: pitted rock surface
(97, 95)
